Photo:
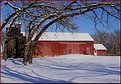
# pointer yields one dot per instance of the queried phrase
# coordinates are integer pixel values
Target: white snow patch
(73, 68)
(99, 47)
(64, 36)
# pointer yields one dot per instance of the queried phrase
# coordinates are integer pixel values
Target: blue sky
(84, 24)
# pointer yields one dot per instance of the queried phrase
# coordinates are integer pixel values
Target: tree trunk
(5, 53)
(28, 54)
(31, 51)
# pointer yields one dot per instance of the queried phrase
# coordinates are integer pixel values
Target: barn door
(88, 50)
(69, 48)
(73, 49)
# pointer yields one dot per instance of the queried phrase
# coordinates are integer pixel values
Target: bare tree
(111, 40)
(100, 37)
(38, 16)
(114, 40)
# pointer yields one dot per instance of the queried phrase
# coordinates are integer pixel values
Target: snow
(8, 25)
(64, 36)
(73, 68)
(99, 47)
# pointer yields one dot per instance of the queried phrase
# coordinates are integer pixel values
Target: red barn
(53, 44)
(100, 50)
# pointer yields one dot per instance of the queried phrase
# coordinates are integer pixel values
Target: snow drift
(73, 68)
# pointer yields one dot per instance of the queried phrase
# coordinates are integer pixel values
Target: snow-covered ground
(63, 69)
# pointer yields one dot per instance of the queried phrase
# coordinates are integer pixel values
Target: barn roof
(65, 36)
(99, 47)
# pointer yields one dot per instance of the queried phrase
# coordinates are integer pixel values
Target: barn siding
(101, 52)
(54, 48)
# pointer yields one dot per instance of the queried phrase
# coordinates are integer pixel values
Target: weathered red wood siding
(54, 48)
(101, 52)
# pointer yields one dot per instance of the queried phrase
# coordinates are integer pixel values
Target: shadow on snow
(93, 69)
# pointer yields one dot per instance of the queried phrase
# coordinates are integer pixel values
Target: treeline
(111, 40)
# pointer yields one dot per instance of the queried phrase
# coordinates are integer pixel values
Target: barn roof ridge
(64, 36)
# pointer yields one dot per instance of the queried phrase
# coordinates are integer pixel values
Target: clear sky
(84, 24)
